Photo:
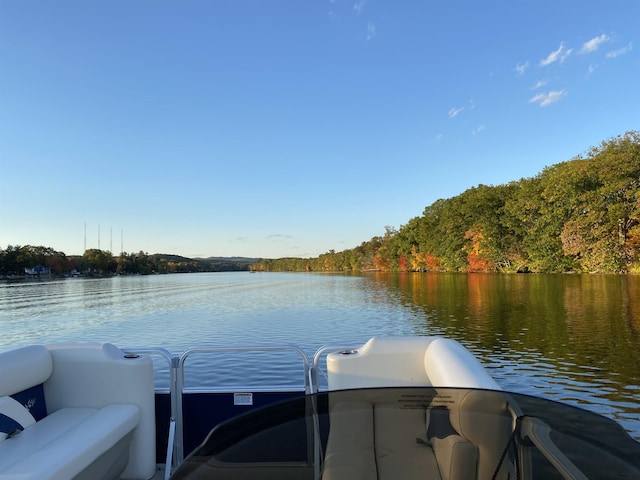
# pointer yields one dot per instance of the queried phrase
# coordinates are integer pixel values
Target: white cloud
(522, 67)
(540, 84)
(359, 7)
(592, 68)
(454, 112)
(548, 98)
(559, 55)
(620, 51)
(278, 236)
(480, 128)
(593, 44)
(371, 30)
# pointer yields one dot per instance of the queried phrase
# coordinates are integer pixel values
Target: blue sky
(289, 128)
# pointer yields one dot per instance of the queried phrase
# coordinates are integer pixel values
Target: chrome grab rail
(325, 349)
(176, 382)
(179, 433)
(170, 447)
(539, 433)
(176, 408)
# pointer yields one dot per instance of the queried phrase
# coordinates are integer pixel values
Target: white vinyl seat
(76, 411)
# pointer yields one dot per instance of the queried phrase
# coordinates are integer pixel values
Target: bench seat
(76, 411)
(378, 441)
(64, 444)
(453, 434)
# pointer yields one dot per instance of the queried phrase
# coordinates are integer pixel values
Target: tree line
(15, 259)
(582, 215)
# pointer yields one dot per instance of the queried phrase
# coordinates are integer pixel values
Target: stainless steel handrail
(313, 380)
(539, 433)
(176, 364)
(179, 455)
(176, 407)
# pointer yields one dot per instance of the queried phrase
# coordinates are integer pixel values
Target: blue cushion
(33, 400)
(14, 417)
(8, 424)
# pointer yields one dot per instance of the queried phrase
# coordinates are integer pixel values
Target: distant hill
(172, 258)
(233, 259)
(210, 264)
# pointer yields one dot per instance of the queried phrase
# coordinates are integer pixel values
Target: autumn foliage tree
(579, 215)
(476, 251)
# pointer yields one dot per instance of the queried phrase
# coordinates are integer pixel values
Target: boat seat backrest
(448, 364)
(22, 374)
(467, 426)
(23, 368)
(478, 419)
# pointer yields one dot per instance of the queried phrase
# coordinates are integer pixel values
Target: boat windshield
(426, 432)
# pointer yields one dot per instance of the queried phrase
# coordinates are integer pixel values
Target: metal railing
(180, 383)
(176, 364)
(176, 408)
(315, 368)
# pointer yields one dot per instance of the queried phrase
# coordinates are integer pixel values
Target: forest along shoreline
(581, 216)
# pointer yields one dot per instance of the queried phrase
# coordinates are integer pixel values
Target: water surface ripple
(571, 338)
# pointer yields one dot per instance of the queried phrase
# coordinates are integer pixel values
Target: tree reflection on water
(574, 338)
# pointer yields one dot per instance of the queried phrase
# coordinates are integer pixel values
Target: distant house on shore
(38, 271)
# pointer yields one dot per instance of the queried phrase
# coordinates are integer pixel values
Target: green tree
(99, 260)
(597, 235)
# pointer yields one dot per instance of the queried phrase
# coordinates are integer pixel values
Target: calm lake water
(571, 338)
